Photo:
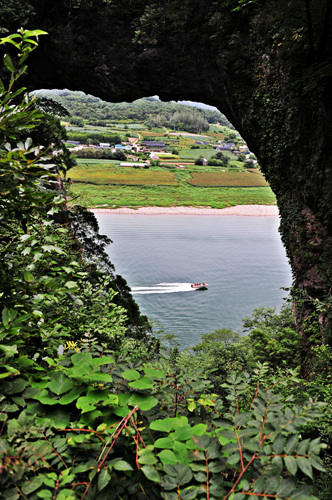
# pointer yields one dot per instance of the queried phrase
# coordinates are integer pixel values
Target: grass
(95, 161)
(196, 153)
(102, 183)
(127, 176)
(228, 179)
(184, 194)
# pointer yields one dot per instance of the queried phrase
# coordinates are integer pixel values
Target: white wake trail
(162, 288)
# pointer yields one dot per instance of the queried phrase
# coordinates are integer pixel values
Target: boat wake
(162, 288)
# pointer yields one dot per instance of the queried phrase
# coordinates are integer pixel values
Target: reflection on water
(241, 257)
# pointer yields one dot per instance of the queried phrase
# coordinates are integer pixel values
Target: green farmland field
(227, 179)
(127, 192)
(126, 176)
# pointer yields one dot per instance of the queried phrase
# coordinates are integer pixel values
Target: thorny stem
(118, 430)
(55, 489)
(115, 435)
(257, 387)
(240, 476)
(64, 463)
(207, 477)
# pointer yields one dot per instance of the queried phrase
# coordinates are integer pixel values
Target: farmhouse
(154, 144)
(226, 146)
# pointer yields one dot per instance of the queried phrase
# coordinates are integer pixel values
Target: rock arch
(266, 65)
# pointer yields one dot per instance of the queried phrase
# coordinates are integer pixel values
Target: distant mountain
(198, 105)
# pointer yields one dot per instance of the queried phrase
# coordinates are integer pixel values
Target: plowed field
(227, 179)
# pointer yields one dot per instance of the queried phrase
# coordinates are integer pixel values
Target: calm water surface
(240, 257)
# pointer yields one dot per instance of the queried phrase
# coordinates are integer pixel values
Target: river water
(240, 257)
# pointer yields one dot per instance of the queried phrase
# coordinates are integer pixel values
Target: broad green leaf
(285, 488)
(181, 452)
(8, 62)
(81, 357)
(302, 493)
(105, 360)
(242, 418)
(305, 466)
(61, 384)
(291, 464)
(143, 402)
(5, 317)
(85, 405)
(143, 383)
(70, 396)
(317, 463)
(190, 493)
(71, 285)
(4, 445)
(98, 377)
(44, 398)
(277, 465)
(28, 276)
(104, 478)
(182, 433)
(315, 446)
(46, 494)
(15, 386)
(278, 445)
(166, 442)
(184, 474)
(167, 457)
(199, 429)
(32, 485)
(302, 447)
(259, 485)
(146, 457)
(151, 473)
(165, 425)
(271, 484)
(233, 459)
(8, 315)
(291, 443)
(60, 418)
(131, 374)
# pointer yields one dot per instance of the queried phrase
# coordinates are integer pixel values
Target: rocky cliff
(266, 65)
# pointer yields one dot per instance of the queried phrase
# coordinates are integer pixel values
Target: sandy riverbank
(252, 210)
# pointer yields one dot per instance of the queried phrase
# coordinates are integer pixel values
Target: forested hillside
(88, 109)
(92, 405)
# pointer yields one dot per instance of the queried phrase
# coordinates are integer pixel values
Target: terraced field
(122, 176)
(227, 179)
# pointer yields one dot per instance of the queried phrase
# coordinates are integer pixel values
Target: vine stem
(115, 434)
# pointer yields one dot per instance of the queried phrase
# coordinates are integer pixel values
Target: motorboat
(200, 286)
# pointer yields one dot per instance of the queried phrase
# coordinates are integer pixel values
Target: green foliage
(272, 337)
(87, 412)
(95, 137)
(153, 112)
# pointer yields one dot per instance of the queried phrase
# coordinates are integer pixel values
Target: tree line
(93, 111)
(96, 405)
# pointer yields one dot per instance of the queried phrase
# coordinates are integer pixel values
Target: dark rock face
(266, 66)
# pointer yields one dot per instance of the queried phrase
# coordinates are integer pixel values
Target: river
(240, 257)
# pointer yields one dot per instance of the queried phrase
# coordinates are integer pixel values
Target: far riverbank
(241, 210)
